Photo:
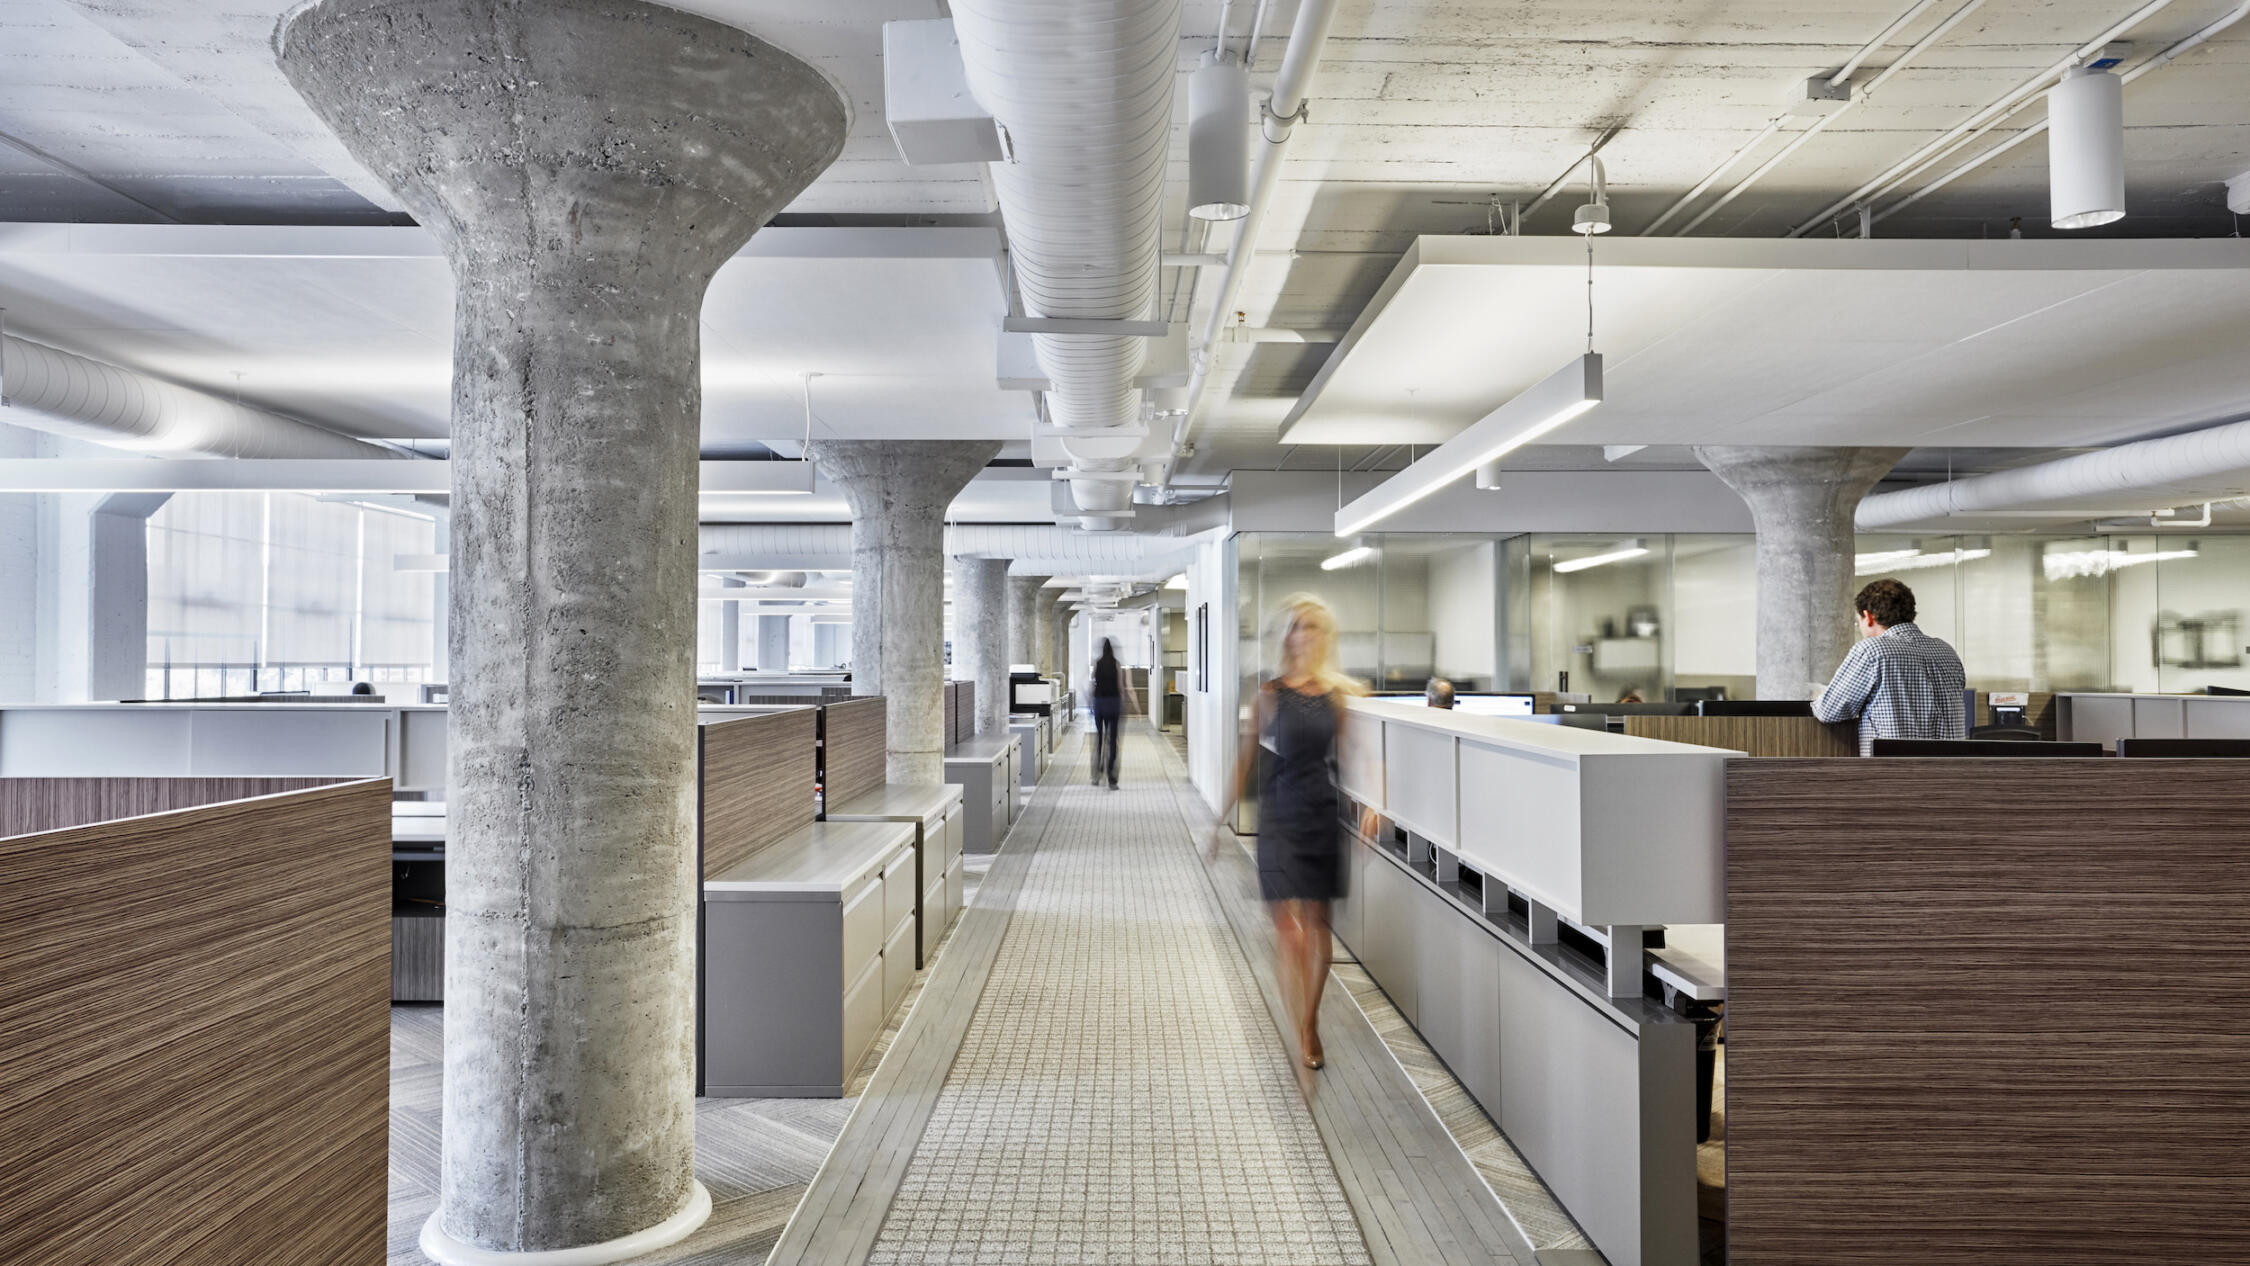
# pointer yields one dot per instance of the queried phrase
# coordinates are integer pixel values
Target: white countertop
(898, 802)
(1529, 736)
(984, 747)
(823, 857)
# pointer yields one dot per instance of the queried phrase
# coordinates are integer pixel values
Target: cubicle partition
(1988, 1010)
(200, 740)
(1501, 901)
(1754, 736)
(196, 1020)
(2086, 717)
(854, 736)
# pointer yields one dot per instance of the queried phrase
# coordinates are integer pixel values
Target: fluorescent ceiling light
(1540, 409)
(1915, 560)
(1352, 557)
(1625, 550)
(2072, 564)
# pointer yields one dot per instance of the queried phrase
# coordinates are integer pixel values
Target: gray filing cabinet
(808, 945)
(1597, 1093)
(1029, 753)
(935, 812)
(988, 774)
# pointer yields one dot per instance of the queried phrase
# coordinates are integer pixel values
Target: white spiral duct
(67, 394)
(1083, 89)
(2208, 465)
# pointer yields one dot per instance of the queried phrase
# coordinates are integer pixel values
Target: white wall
(19, 578)
(1464, 605)
(1211, 712)
(1714, 612)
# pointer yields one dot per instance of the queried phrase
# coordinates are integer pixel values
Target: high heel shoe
(1313, 1052)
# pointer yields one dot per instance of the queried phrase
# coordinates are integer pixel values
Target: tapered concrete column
(586, 165)
(730, 626)
(899, 490)
(1050, 602)
(1023, 618)
(773, 643)
(980, 635)
(1802, 501)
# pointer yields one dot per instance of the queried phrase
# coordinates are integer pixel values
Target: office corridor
(1093, 1074)
(1121, 1095)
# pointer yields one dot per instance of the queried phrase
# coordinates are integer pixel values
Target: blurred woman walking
(1110, 693)
(1301, 868)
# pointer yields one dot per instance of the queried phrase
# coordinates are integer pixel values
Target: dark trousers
(1109, 726)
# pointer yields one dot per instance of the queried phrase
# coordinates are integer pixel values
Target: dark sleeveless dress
(1300, 839)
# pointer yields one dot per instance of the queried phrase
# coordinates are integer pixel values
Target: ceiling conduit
(1037, 549)
(1083, 92)
(2207, 465)
(64, 393)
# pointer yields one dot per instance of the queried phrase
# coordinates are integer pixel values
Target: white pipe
(62, 392)
(1905, 169)
(2158, 62)
(2212, 464)
(1084, 91)
(1291, 85)
(1819, 125)
(1867, 50)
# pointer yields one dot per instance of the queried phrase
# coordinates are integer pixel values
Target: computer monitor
(2184, 748)
(1416, 699)
(1753, 708)
(1509, 705)
(1981, 747)
(1696, 694)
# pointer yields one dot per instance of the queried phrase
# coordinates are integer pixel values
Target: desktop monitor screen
(1493, 705)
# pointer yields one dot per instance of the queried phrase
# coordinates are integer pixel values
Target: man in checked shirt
(1899, 682)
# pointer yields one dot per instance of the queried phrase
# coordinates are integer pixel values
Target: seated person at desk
(1438, 693)
(1899, 682)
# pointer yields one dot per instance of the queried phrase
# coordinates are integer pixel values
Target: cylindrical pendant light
(1219, 140)
(2086, 149)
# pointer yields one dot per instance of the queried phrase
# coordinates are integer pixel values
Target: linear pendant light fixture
(1540, 409)
(1634, 548)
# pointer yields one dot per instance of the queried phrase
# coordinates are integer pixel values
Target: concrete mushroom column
(1050, 660)
(586, 165)
(980, 635)
(1024, 609)
(1802, 501)
(899, 491)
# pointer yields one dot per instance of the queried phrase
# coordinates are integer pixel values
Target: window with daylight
(281, 591)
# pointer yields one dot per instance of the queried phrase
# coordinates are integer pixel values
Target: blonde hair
(1319, 664)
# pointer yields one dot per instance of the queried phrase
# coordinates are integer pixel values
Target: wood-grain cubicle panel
(756, 783)
(196, 1009)
(964, 711)
(1987, 1012)
(50, 804)
(952, 713)
(854, 735)
(1757, 736)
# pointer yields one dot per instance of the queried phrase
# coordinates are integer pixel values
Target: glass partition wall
(1664, 617)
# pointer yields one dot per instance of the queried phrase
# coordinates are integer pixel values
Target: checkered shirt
(1901, 683)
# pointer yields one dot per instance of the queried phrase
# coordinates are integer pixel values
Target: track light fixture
(2086, 149)
(1593, 217)
(1219, 139)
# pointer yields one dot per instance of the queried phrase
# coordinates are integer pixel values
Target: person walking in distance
(1111, 690)
(1301, 867)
